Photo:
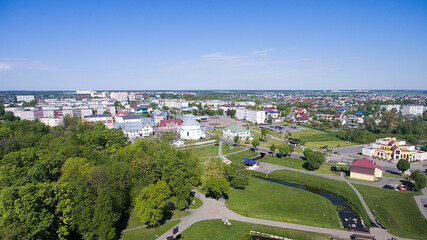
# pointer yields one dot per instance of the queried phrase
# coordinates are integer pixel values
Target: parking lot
(223, 121)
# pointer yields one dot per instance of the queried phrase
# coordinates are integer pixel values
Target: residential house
(169, 125)
(234, 130)
(365, 169)
(158, 116)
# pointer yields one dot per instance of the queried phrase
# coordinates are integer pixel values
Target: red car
(425, 205)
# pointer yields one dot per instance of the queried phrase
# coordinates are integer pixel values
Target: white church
(190, 129)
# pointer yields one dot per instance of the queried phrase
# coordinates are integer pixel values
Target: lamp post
(247, 209)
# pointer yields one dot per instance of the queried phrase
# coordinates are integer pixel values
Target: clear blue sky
(65, 45)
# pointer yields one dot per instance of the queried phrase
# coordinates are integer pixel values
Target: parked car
(425, 205)
(388, 187)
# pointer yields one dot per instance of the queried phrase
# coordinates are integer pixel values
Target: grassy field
(226, 149)
(297, 164)
(269, 141)
(267, 200)
(148, 233)
(216, 132)
(217, 230)
(337, 187)
(386, 174)
(198, 204)
(134, 220)
(237, 157)
(398, 211)
(316, 139)
(204, 151)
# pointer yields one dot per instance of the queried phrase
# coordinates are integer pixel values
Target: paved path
(421, 200)
(213, 209)
(371, 216)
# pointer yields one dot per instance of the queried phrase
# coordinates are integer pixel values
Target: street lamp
(247, 210)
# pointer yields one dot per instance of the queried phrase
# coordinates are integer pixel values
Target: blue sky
(65, 45)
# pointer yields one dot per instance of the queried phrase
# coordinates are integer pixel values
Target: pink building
(106, 119)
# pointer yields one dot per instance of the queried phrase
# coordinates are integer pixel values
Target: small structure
(169, 125)
(250, 164)
(177, 142)
(365, 169)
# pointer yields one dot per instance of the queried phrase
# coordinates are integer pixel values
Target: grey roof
(98, 115)
(132, 117)
(190, 122)
(130, 126)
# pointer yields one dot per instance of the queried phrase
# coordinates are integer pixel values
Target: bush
(315, 160)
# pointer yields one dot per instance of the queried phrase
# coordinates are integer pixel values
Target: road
(216, 209)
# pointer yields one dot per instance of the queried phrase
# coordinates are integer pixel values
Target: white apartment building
(24, 98)
(53, 122)
(416, 110)
(119, 96)
(390, 107)
(250, 115)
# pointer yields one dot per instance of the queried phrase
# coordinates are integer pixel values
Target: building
(190, 130)
(24, 98)
(234, 130)
(132, 118)
(169, 125)
(106, 119)
(391, 149)
(53, 122)
(391, 107)
(119, 96)
(365, 169)
(413, 110)
(158, 116)
(250, 115)
(134, 130)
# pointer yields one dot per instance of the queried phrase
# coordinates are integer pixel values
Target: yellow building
(391, 149)
(365, 169)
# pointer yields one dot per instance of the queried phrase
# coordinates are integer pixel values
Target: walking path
(213, 209)
(371, 216)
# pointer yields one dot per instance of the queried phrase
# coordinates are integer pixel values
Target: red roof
(164, 123)
(366, 162)
(120, 113)
(338, 115)
(271, 108)
(227, 105)
(300, 109)
(391, 142)
(394, 147)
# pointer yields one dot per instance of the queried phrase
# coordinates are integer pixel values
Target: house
(303, 118)
(158, 116)
(134, 130)
(132, 118)
(271, 112)
(301, 110)
(392, 149)
(234, 130)
(190, 130)
(106, 119)
(177, 142)
(365, 169)
(169, 125)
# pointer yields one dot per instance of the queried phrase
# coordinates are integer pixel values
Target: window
(188, 134)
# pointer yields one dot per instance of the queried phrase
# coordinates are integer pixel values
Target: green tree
(214, 179)
(255, 143)
(420, 180)
(284, 150)
(307, 151)
(239, 177)
(8, 116)
(315, 160)
(150, 203)
(264, 132)
(270, 118)
(273, 147)
(236, 139)
(403, 165)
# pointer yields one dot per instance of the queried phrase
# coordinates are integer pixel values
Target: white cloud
(261, 52)
(218, 56)
(5, 66)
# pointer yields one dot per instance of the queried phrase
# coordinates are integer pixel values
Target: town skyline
(308, 45)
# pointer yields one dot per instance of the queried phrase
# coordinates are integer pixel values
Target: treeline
(411, 130)
(78, 181)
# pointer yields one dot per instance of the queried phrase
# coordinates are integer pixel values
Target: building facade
(391, 149)
(250, 115)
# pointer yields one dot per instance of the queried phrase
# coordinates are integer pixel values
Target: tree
(255, 143)
(214, 179)
(307, 152)
(150, 203)
(270, 118)
(236, 139)
(315, 118)
(403, 165)
(284, 150)
(165, 108)
(8, 116)
(315, 160)
(420, 180)
(264, 132)
(273, 147)
(239, 178)
(221, 111)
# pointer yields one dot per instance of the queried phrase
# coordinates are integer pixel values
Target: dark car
(388, 187)
(253, 149)
(425, 205)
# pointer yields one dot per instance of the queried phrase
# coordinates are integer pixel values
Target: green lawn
(267, 200)
(269, 141)
(316, 139)
(226, 149)
(297, 164)
(337, 187)
(216, 132)
(217, 230)
(397, 211)
(134, 220)
(204, 151)
(237, 157)
(198, 204)
(386, 174)
(148, 233)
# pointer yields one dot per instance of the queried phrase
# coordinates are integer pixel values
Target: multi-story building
(106, 119)
(53, 122)
(413, 110)
(391, 107)
(232, 131)
(250, 115)
(119, 96)
(391, 149)
(158, 116)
